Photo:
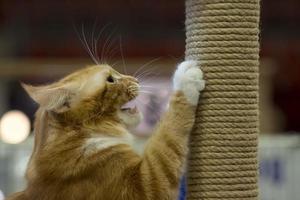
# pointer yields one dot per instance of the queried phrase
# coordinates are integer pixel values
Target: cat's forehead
(94, 69)
(89, 71)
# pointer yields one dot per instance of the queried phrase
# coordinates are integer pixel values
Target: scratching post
(223, 36)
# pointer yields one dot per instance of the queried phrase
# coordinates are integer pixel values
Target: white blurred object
(1, 195)
(14, 127)
(279, 163)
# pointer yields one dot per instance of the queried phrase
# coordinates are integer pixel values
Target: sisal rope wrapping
(223, 36)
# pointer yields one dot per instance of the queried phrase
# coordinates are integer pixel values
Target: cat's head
(90, 94)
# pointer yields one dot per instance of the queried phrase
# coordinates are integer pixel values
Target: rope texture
(223, 36)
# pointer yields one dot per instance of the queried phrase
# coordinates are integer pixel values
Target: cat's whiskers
(107, 42)
(122, 56)
(111, 54)
(147, 72)
(148, 80)
(83, 40)
(148, 86)
(115, 63)
(86, 44)
(110, 50)
(96, 40)
(91, 46)
(150, 75)
(94, 46)
(146, 92)
(137, 88)
(145, 65)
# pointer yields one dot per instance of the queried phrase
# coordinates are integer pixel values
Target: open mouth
(130, 107)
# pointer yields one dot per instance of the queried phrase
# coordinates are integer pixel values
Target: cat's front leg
(188, 78)
(164, 155)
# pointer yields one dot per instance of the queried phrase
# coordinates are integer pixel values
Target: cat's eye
(110, 79)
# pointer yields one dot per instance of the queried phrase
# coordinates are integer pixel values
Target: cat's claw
(188, 78)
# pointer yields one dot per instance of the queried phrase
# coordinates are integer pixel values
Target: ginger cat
(83, 149)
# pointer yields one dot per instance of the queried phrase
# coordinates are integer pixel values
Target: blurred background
(41, 41)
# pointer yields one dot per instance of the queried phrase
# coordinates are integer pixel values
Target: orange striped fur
(83, 150)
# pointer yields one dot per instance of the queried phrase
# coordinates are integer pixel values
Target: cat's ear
(53, 98)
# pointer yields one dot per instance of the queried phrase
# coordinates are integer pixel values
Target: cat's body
(83, 150)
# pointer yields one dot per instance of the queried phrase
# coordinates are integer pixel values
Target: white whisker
(115, 63)
(82, 38)
(147, 74)
(110, 51)
(94, 46)
(145, 65)
(97, 39)
(87, 45)
(146, 92)
(147, 86)
(122, 56)
(111, 54)
(148, 80)
(107, 41)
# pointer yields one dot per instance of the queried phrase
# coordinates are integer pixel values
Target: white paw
(188, 78)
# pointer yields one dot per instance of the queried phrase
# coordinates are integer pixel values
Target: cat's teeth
(129, 105)
(133, 110)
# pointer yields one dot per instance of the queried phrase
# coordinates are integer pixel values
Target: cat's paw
(188, 78)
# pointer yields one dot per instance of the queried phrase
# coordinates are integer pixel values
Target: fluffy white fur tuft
(98, 143)
(188, 78)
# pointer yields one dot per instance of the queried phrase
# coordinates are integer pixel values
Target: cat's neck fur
(49, 124)
(67, 122)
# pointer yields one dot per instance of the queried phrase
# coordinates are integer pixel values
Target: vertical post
(223, 36)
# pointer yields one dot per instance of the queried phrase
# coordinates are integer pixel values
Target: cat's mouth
(130, 114)
(130, 108)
